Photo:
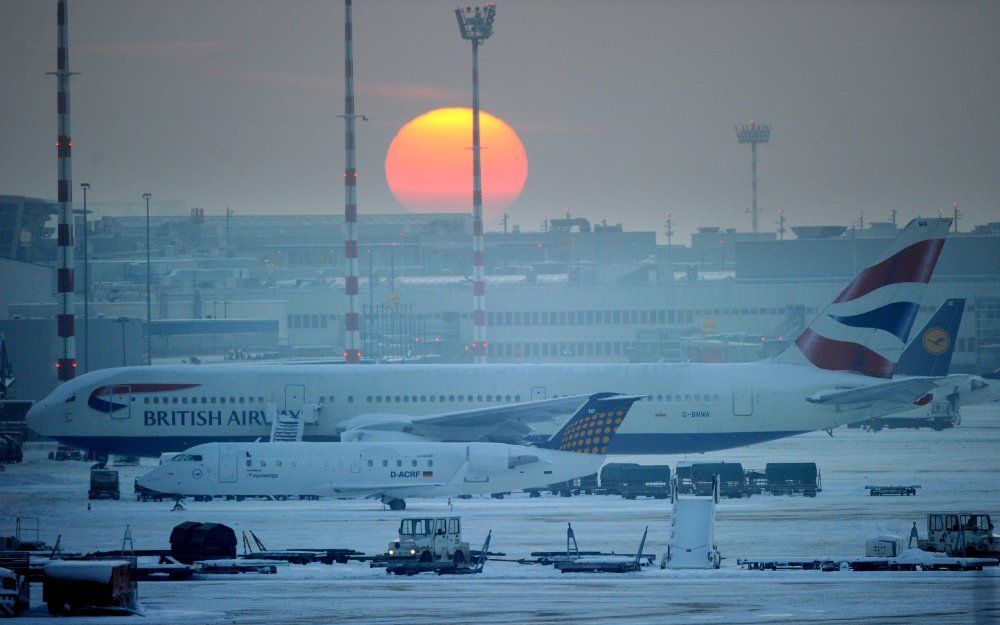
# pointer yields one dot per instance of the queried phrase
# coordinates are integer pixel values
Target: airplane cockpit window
(186, 458)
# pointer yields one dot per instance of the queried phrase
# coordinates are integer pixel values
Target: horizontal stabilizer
(899, 392)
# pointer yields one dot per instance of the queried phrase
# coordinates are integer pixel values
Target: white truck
(959, 534)
(430, 540)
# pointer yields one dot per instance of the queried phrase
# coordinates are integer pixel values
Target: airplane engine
(487, 458)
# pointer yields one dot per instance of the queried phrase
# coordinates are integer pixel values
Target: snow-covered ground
(957, 469)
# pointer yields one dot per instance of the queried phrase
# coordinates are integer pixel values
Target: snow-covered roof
(84, 570)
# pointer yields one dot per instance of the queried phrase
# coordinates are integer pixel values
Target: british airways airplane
(839, 371)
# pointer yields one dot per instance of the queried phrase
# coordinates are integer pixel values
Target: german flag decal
(427, 474)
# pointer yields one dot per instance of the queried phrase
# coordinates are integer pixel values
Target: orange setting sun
(429, 164)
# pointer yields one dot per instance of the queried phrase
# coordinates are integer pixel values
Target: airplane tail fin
(594, 425)
(930, 351)
(866, 327)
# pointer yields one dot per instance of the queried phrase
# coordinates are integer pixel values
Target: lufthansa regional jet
(394, 471)
(838, 371)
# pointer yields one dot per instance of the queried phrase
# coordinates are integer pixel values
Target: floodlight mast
(476, 25)
(753, 133)
(66, 319)
(352, 318)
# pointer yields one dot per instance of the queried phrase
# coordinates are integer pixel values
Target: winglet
(594, 425)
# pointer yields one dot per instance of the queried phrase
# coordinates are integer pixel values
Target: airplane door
(743, 400)
(537, 393)
(121, 395)
(228, 463)
(295, 399)
(356, 464)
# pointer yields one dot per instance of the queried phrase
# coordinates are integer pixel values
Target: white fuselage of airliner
(690, 407)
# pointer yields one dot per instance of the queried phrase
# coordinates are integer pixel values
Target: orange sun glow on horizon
(429, 163)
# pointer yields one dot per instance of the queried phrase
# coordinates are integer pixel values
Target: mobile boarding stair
(286, 428)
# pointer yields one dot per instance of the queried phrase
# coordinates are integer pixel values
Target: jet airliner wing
(904, 391)
(500, 424)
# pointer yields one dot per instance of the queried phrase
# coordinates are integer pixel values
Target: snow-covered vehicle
(960, 534)
(430, 540)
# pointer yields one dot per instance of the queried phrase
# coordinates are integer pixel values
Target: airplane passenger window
(385, 463)
(156, 400)
(507, 398)
(242, 399)
(423, 398)
(414, 462)
(399, 463)
(184, 400)
(517, 398)
(687, 398)
(413, 398)
(397, 399)
(469, 398)
(451, 398)
(430, 463)
(350, 399)
(263, 463)
(232, 400)
(369, 399)
(145, 400)
(489, 398)
(212, 400)
(433, 397)
(406, 398)
(278, 463)
(371, 463)
(204, 400)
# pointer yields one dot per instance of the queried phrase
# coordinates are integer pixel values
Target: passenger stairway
(287, 429)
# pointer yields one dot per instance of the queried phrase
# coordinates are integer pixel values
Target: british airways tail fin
(593, 427)
(930, 351)
(865, 329)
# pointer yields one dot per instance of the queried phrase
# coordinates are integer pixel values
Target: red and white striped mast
(352, 319)
(66, 363)
(476, 25)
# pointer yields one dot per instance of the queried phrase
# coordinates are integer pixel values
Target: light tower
(66, 363)
(476, 25)
(754, 133)
(352, 318)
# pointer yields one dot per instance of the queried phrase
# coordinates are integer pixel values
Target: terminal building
(249, 288)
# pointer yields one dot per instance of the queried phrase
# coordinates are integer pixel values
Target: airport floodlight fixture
(476, 23)
(753, 133)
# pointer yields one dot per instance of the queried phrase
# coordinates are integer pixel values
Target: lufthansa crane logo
(936, 341)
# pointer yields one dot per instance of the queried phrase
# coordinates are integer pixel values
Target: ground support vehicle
(103, 484)
(433, 544)
(959, 534)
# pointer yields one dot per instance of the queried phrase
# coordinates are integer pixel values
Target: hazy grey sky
(626, 109)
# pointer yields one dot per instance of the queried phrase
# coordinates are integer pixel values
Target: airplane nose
(36, 417)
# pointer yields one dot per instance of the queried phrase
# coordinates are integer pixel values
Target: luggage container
(72, 586)
(631, 480)
(191, 541)
(786, 478)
